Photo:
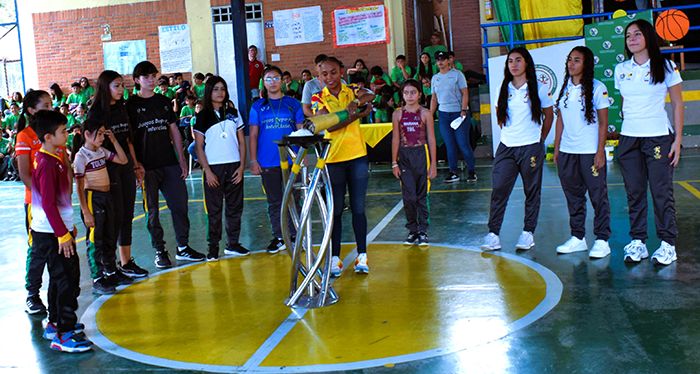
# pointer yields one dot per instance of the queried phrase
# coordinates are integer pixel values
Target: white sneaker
(491, 242)
(572, 245)
(361, 264)
(665, 255)
(600, 249)
(525, 241)
(635, 251)
(336, 266)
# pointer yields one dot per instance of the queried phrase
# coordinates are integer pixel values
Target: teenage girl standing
(109, 107)
(525, 114)
(347, 160)
(579, 151)
(414, 159)
(650, 147)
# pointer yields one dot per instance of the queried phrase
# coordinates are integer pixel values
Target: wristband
(394, 165)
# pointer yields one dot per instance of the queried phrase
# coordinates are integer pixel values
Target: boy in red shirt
(53, 233)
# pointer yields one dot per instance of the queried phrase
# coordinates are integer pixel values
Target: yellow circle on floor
(415, 303)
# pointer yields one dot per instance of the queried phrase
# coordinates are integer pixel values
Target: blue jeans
(456, 139)
(353, 174)
(191, 151)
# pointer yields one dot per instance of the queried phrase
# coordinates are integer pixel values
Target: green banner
(607, 41)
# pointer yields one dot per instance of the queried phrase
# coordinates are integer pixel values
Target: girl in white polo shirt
(524, 112)
(650, 147)
(579, 151)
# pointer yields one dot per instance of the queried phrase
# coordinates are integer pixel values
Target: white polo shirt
(520, 129)
(579, 136)
(643, 102)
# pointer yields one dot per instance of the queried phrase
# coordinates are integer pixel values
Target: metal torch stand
(307, 189)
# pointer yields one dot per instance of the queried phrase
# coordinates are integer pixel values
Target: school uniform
(520, 152)
(149, 120)
(220, 131)
(275, 119)
(91, 166)
(646, 137)
(413, 162)
(348, 168)
(122, 179)
(53, 224)
(577, 150)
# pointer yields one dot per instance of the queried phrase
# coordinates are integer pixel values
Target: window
(222, 14)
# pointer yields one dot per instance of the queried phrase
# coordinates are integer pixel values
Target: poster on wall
(360, 26)
(298, 26)
(175, 49)
(607, 41)
(549, 66)
(123, 56)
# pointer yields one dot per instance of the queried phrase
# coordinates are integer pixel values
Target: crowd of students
(118, 144)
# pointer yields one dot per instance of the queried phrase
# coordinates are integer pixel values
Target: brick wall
(68, 44)
(466, 34)
(296, 58)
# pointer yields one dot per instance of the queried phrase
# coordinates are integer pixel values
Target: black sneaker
(119, 279)
(162, 260)
(411, 238)
(103, 286)
(236, 250)
(452, 178)
(423, 239)
(130, 269)
(189, 254)
(212, 257)
(276, 245)
(472, 176)
(35, 305)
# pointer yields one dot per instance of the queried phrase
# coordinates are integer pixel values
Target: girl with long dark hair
(650, 145)
(26, 149)
(220, 146)
(524, 112)
(579, 151)
(424, 73)
(109, 108)
(57, 96)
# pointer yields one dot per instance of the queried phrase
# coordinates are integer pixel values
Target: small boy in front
(53, 233)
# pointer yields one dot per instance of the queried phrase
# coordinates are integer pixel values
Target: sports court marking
(292, 321)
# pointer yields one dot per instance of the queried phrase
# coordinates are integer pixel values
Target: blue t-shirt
(275, 118)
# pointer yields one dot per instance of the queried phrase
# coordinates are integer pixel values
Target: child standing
(413, 131)
(579, 151)
(26, 149)
(158, 149)
(223, 162)
(198, 87)
(53, 232)
(93, 184)
(271, 118)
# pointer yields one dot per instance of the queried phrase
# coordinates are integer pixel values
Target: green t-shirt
(5, 145)
(169, 93)
(431, 49)
(199, 90)
(88, 93)
(10, 121)
(187, 111)
(385, 78)
(57, 103)
(69, 141)
(74, 99)
(459, 66)
(294, 86)
(434, 68)
(397, 74)
(74, 120)
(126, 95)
(381, 116)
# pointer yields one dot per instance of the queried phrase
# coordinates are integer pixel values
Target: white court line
(297, 314)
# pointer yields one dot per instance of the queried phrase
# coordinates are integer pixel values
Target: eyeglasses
(272, 79)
